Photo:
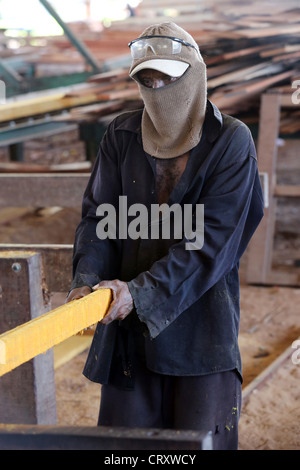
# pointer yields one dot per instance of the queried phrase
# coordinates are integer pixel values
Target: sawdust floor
(270, 418)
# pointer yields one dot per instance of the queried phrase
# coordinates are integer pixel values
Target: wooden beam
(41, 104)
(287, 191)
(37, 336)
(67, 350)
(35, 190)
(261, 245)
(24, 167)
(288, 278)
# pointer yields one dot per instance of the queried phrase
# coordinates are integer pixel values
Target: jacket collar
(213, 122)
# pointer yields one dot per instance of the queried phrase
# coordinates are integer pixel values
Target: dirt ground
(269, 325)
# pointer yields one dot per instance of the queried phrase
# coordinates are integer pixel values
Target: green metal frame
(16, 83)
(88, 56)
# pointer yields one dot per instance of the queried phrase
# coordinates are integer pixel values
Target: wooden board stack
(248, 48)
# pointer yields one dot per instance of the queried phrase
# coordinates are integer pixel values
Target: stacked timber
(101, 88)
(248, 49)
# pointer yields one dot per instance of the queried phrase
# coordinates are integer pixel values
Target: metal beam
(10, 74)
(88, 56)
(103, 438)
(32, 129)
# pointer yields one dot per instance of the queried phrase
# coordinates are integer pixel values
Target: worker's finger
(103, 285)
(119, 309)
(121, 304)
(113, 308)
(78, 293)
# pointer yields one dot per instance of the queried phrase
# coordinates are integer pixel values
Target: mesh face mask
(173, 115)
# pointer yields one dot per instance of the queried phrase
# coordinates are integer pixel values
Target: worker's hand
(78, 293)
(122, 303)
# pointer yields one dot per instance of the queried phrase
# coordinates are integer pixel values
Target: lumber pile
(248, 48)
(103, 87)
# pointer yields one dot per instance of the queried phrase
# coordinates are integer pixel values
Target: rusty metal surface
(14, 437)
(28, 392)
(57, 262)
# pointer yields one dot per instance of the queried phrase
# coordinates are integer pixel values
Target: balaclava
(173, 115)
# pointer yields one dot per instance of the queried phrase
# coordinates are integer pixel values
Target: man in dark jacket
(167, 351)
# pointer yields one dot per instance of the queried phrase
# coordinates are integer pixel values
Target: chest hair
(168, 174)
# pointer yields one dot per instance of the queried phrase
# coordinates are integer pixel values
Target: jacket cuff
(153, 329)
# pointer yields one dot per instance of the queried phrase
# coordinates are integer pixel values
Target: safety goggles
(159, 45)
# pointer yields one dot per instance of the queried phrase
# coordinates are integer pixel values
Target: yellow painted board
(70, 348)
(42, 104)
(42, 333)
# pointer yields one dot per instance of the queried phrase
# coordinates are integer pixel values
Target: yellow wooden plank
(42, 104)
(42, 333)
(70, 348)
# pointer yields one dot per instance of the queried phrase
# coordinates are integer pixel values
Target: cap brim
(173, 68)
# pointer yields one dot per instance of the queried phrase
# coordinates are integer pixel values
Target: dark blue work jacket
(186, 316)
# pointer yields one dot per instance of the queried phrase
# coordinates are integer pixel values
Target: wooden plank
(34, 190)
(41, 105)
(287, 191)
(93, 111)
(111, 76)
(280, 51)
(287, 101)
(70, 348)
(240, 53)
(260, 247)
(283, 278)
(24, 167)
(233, 99)
(37, 336)
(131, 93)
(241, 74)
(267, 32)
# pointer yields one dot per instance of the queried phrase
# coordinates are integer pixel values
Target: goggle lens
(141, 47)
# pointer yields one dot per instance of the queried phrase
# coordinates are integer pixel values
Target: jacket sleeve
(233, 207)
(95, 259)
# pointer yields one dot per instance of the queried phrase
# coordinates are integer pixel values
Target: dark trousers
(204, 403)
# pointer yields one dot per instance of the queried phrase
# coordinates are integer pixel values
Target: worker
(166, 354)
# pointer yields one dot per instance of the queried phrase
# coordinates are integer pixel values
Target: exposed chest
(168, 174)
